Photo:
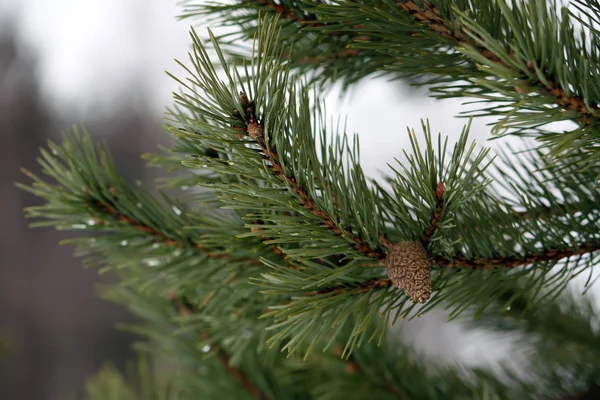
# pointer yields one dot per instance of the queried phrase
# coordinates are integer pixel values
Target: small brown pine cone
(408, 267)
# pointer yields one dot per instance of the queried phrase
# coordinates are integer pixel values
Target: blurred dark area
(54, 332)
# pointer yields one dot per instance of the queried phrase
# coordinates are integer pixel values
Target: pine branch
(274, 248)
(185, 310)
(288, 13)
(430, 16)
(352, 366)
(437, 215)
(478, 42)
(109, 208)
(255, 130)
(549, 255)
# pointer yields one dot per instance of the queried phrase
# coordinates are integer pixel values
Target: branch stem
(185, 310)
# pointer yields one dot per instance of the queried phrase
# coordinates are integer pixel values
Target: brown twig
(274, 248)
(509, 262)
(361, 287)
(431, 17)
(471, 263)
(255, 130)
(352, 367)
(304, 18)
(184, 309)
(593, 393)
(437, 215)
(110, 208)
(556, 210)
(230, 278)
(287, 13)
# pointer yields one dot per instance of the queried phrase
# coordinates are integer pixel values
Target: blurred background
(102, 62)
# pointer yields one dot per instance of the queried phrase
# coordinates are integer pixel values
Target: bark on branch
(184, 309)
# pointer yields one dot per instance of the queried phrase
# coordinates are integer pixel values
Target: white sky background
(95, 55)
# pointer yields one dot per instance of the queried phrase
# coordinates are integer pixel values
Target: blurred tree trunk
(57, 331)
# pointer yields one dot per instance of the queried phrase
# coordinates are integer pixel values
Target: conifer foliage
(270, 267)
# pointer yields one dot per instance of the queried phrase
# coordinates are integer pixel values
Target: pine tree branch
(274, 248)
(556, 210)
(548, 255)
(287, 13)
(510, 262)
(437, 215)
(109, 208)
(306, 19)
(255, 130)
(185, 309)
(430, 17)
(362, 287)
(352, 367)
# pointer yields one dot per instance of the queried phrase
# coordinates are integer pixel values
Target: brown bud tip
(112, 191)
(254, 130)
(530, 65)
(255, 229)
(244, 100)
(351, 368)
(172, 295)
(440, 190)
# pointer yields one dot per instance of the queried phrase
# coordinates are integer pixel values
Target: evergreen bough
(270, 280)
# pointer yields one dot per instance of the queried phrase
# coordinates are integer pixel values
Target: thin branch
(274, 248)
(305, 18)
(437, 215)
(185, 309)
(288, 13)
(361, 287)
(592, 393)
(110, 209)
(556, 210)
(430, 16)
(255, 130)
(515, 261)
(353, 367)
(466, 263)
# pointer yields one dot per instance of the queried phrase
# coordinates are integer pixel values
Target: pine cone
(408, 267)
